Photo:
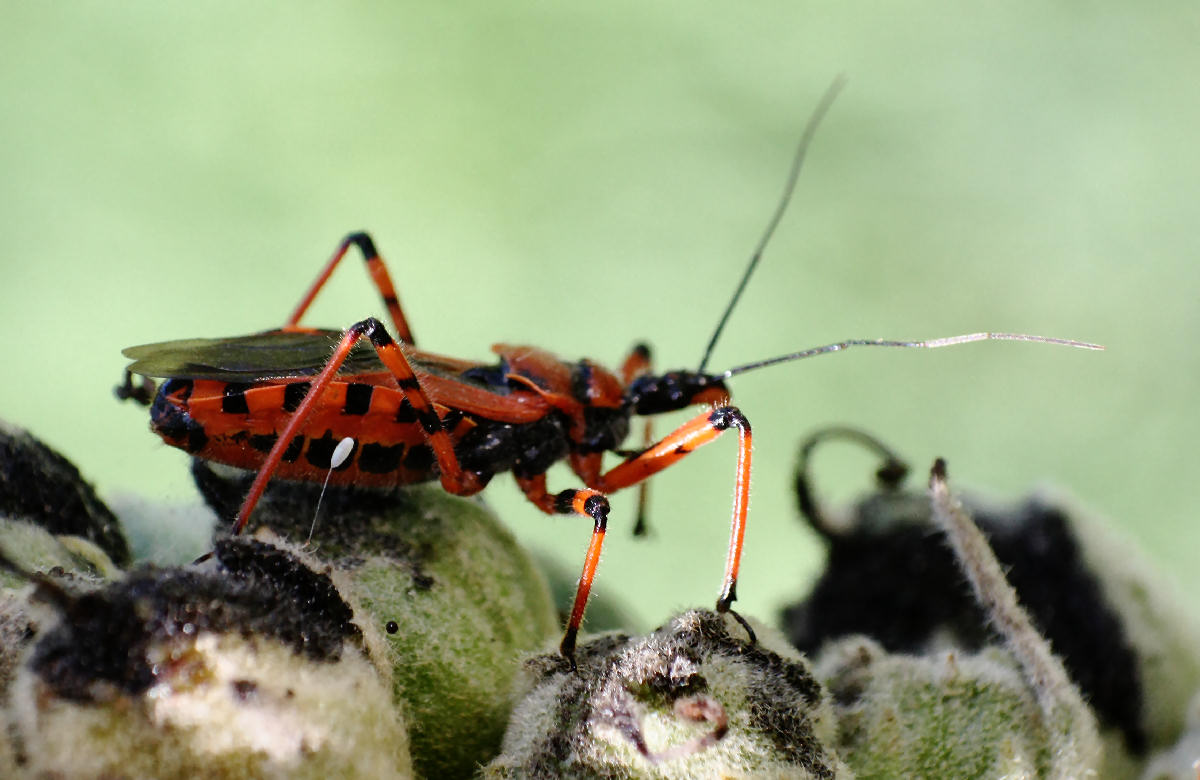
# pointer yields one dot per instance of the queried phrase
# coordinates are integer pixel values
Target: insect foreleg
(700, 430)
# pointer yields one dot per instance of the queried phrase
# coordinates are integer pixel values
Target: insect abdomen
(238, 424)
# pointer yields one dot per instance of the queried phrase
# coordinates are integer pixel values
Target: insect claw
(566, 648)
(724, 607)
(744, 624)
(639, 525)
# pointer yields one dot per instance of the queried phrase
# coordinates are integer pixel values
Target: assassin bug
(279, 401)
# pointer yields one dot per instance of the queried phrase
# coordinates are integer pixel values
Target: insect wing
(276, 354)
(273, 354)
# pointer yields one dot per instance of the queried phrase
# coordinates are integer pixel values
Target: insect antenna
(947, 341)
(789, 187)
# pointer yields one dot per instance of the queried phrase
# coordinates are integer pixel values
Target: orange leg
(454, 479)
(640, 527)
(700, 430)
(588, 503)
(379, 276)
(636, 364)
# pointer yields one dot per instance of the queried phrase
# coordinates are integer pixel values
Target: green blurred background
(584, 178)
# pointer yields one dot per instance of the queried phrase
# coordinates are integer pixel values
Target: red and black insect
(279, 402)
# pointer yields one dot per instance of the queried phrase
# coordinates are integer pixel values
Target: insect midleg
(636, 364)
(587, 503)
(454, 479)
(379, 276)
(700, 430)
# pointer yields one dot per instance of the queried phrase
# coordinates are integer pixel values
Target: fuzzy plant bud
(447, 598)
(249, 667)
(695, 698)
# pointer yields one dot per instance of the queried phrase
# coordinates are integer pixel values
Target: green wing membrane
(272, 354)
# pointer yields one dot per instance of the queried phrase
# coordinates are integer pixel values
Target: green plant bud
(940, 715)
(1122, 636)
(449, 603)
(694, 698)
(251, 667)
(67, 558)
(1008, 711)
(39, 485)
(457, 602)
(73, 563)
(1182, 760)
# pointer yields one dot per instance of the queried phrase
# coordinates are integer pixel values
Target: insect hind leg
(453, 477)
(379, 277)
